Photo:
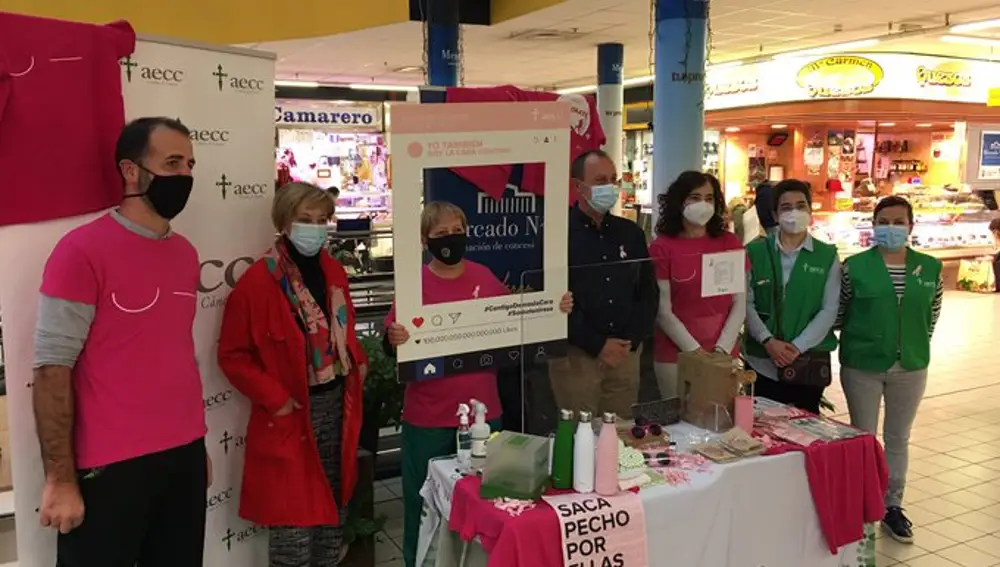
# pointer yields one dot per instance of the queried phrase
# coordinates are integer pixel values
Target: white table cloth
(752, 513)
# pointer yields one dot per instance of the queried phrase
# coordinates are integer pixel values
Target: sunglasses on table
(642, 428)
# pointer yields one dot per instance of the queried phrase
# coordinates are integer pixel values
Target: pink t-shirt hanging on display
(433, 403)
(61, 110)
(678, 260)
(585, 134)
(137, 386)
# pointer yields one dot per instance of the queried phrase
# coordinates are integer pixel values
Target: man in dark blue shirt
(615, 297)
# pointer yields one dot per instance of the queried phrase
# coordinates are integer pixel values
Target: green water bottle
(562, 451)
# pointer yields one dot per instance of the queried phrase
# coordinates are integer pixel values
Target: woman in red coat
(288, 344)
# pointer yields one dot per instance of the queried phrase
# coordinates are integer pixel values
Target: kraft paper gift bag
(709, 382)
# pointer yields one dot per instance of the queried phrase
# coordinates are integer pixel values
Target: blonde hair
(292, 196)
(435, 212)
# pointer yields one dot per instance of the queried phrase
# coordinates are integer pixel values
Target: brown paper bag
(707, 382)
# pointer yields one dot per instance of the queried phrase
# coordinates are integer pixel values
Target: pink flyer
(601, 531)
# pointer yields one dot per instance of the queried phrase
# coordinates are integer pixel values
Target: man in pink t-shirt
(117, 393)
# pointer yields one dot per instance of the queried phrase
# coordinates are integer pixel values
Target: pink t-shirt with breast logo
(137, 386)
(432, 403)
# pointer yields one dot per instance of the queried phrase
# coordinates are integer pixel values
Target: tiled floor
(388, 501)
(953, 496)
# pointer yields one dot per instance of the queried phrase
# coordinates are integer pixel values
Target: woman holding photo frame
(430, 407)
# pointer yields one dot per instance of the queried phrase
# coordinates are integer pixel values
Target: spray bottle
(464, 439)
(480, 434)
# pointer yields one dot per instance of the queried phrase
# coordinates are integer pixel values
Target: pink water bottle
(606, 475)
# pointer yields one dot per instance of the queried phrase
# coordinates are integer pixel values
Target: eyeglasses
(643, 428)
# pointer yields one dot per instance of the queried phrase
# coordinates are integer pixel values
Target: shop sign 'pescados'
(840, 76)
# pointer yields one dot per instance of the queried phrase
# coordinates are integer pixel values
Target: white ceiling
(739, 29)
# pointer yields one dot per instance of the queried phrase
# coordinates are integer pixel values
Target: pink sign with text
(601, 531)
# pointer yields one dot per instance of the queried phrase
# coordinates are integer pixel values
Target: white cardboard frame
(430, 136)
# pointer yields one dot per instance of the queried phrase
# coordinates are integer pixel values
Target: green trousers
(420, 445)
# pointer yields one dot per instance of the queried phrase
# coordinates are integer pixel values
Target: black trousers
(149, 511)
(795, 395)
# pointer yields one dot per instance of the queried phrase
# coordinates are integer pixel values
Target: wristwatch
(767, 340)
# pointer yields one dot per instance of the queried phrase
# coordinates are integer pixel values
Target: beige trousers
(581, 382)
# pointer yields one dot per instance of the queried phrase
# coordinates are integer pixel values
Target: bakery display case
(949, 224)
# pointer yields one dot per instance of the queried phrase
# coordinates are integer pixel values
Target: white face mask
(699, 213)
(794, 222)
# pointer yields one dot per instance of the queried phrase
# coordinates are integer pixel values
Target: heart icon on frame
(418, 322)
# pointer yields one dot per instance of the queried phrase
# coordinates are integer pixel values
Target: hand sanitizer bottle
(480, 434)
(464, 439)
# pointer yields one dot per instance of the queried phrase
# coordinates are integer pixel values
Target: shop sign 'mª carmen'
(840, 76)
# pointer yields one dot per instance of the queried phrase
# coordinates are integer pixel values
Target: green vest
(880, 329)
(801, 295)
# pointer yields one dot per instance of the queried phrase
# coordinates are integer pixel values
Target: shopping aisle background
(954, 493)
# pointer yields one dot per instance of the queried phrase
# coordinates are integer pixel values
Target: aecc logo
(218, 499)
(216, 273)
(241, 190)
(242, 84)
(210, 137)
(217, 400)
(232, 536)
(157, 75)
(229, 441)
(216, 279)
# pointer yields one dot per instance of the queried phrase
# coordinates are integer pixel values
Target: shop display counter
(949, 225)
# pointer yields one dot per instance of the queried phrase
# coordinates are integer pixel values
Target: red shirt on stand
(585, 134)
(61, 111)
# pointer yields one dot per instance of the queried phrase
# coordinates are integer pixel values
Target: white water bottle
(583, 454)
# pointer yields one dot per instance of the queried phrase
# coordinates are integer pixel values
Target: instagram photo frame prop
(477, 333)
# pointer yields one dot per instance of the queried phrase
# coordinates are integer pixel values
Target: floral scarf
(327, 348)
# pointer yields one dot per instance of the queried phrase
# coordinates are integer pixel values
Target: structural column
(610, 97)
(679, 90)
(444, 58)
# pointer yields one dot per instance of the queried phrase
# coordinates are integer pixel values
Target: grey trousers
(902, 391)
(317, 546)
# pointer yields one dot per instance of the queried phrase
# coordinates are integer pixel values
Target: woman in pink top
(690, 226)
(429, 407)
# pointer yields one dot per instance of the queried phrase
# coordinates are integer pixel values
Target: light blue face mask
(892, 237)
(308, 238)
(603, 197)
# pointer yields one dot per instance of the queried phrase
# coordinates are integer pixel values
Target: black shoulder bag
(811, 368)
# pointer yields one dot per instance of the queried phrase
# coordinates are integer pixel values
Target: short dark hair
(335, 191)
(579, 164)
(790, 186)
(893, 201)
(670, 221)
(995, 225)
(133, 142)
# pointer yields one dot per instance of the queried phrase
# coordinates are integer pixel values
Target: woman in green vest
(890, 301)
(793, 291)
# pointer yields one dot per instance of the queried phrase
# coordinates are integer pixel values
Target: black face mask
(448, 249)
(167, 194)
